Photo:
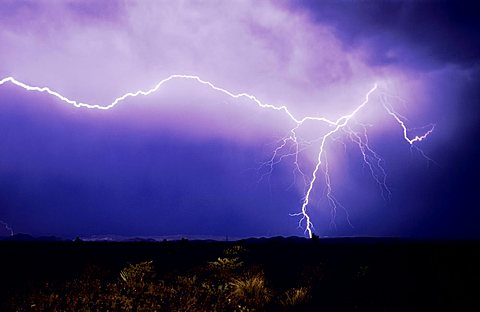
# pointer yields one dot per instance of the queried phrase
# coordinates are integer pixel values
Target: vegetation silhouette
(277, 274)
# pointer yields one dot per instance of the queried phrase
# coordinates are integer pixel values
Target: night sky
(187, 160)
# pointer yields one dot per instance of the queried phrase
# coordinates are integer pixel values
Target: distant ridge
(346, 240)
(157, 238)
(20, 237)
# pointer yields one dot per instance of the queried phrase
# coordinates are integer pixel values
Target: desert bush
(250, 291)
(224, 284)
(295, 297)
(136, 275)
(225, 264)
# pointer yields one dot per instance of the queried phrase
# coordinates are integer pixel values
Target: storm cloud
(186, 160)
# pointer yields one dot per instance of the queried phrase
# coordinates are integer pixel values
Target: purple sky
(187, 159)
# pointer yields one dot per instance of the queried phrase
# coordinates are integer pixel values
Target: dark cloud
(72, 172)
(421, 34)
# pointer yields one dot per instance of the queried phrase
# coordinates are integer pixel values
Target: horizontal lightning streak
(154, 89)
(337, 125)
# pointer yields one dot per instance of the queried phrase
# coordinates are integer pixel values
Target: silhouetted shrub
(221, 285)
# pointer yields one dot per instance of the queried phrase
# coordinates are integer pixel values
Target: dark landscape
(337, 274)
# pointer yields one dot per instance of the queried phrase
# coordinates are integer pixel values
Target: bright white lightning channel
(344, 124)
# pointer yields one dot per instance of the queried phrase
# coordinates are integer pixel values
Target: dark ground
(351, 274)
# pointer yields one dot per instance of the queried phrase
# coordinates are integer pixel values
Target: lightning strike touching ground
(345, 124)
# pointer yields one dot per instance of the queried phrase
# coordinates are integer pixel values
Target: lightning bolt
(345, 124)
(7, 227)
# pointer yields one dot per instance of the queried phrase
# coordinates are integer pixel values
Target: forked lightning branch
(344, 125)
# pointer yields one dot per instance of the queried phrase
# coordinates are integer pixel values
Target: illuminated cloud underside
(305, 98)
(342, 123)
